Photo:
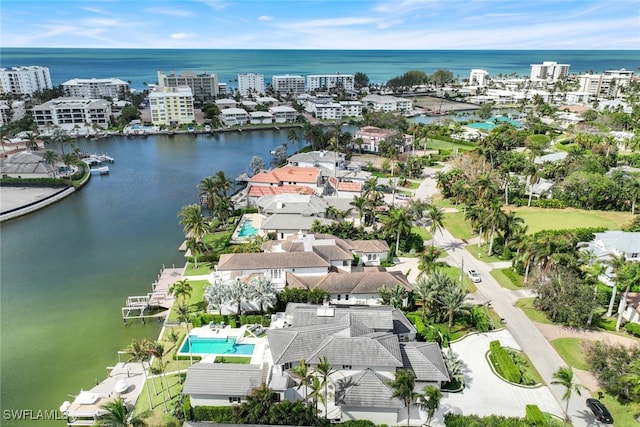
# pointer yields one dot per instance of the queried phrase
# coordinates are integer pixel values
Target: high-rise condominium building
(330, 81)
(204, 87)
(288, 84)
(250, 84)
(96, 88)
(24, 80)
(171, 106)
(549, 71)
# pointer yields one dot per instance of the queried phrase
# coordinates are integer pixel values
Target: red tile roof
(259, 191)
(288, 174)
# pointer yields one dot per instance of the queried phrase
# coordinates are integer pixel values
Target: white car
(402, 196)
(474, 276)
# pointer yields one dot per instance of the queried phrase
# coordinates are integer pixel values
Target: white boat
(102, 170)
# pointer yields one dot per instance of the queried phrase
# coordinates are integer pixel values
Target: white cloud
(265, 18)
(170, 11)
(330, 23)
(182, 36)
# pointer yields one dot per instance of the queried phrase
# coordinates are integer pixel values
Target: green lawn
(443, 203)
(196, 299)
(559, 219)
(458, 226)
(218, 241)
(526, 304)
(572, 352)
(454, 273)
(422, 232)
(203, 268)
(412, 185)
(437, 144)
(481, 253)
(233, 359)
(504, 280)
(623, 415)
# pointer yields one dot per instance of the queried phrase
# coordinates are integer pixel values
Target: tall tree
(193, 222)
(324, 371)
(138, 351)
(398, 222)
(429, 401)
(436, 222)
(181, 289)
(184, 316)
(303, 375)
(118, 416)
(564, 377)
(403, 385)
(452, 300)
(157, 350)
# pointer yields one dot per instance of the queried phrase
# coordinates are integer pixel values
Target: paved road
(530, 339)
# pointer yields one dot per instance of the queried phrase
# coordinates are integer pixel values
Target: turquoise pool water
(482, 125)
(247, 229)
(200, 345)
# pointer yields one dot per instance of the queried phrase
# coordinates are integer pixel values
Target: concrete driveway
(486, 393)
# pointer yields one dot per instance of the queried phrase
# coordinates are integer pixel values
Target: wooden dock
(147, 306)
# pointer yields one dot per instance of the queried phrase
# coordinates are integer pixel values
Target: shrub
(512, 275)
(633, 328)
(549, 204)
(186, 408)
(535, 416)
(503, 363)
(218, 414)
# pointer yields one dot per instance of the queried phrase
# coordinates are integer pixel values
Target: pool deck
(258, 355)
(255, 219)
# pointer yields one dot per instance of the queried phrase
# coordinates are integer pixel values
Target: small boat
(102, 170)
(105, 158)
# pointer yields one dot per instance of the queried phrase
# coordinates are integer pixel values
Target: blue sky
(322, 24)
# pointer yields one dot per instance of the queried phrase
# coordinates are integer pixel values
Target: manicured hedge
(503, 363)
(217, 414)
(205, 319)
(633, 329)
(535, 416)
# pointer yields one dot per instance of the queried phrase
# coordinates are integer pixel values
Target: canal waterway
(66, 270)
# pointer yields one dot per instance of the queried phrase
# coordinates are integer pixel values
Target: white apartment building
(478, 78)
(204, 87)
(71, 114)
(234, 116)
(608, 84)
(171, 106)
(24, 80)
(250, 84)
(549, 71)
(96, 88)
(283, 114)
(351, 108)
(387, 103)
(288, 84)
(323, 108)
(330, 81)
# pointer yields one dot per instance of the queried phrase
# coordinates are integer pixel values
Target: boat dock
(147, 306)
(125, 380)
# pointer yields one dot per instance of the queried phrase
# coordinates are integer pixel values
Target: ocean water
(140, 66)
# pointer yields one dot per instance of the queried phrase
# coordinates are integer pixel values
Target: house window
(634, 255)
(346, 297)
(276, 274)
(346, 367)
(286, 366)
(235, 399)
(339, 296)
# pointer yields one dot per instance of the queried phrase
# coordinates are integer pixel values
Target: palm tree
(324, 370)
(564, 377)
(262, 291)
(117, 415)
(156, 349)
(181, 289)
(214, 294)
(256, 164)
(533, 179)
(50, 157)
(428, 260)
(69, 160)
(292, 136)
(138, 352)
(174, 337)
(616, 262)
(196, 248)
(436, 217)
(429, 288)
(397, 296)
(184, 315)
(316, 392)
(402, 385)
(631, 380)
(221, 183)
(511, 224)
(452, 300)
(429, 401)
(193, 222)
(398, 222)
(360, 204)
(496, 220)
(304, 376)
(235, 292)
(208, 190)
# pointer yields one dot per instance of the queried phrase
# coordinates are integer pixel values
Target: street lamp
(461, 268)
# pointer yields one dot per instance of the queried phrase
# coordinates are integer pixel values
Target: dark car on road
(600, 411)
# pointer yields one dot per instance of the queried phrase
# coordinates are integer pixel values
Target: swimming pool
(247, 229)
(201, 345)
(483, 125)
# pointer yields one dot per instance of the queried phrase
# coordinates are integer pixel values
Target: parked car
(402, 196)
(474, 276)
(600, 411)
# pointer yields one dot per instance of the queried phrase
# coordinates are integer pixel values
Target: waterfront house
(329, 160)
(26, 164)
(260, 118)
(234, 117)
(225, 103)
(288, 179)
(221, 384)
(283, 114)
(371, 137)
(364, 345)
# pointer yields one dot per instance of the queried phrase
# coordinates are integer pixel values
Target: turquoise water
(483, 125)
(228, 346)
(247, 229)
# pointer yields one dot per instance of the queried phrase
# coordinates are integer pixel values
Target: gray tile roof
(367, 282)
(273, 260)
(366, 389)
(369, 350)
(292, 222)
(26, 163)
(425, 358)
(291, 345)
(624, 241)
(370, 246)
(222, 379)
(378, 318)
